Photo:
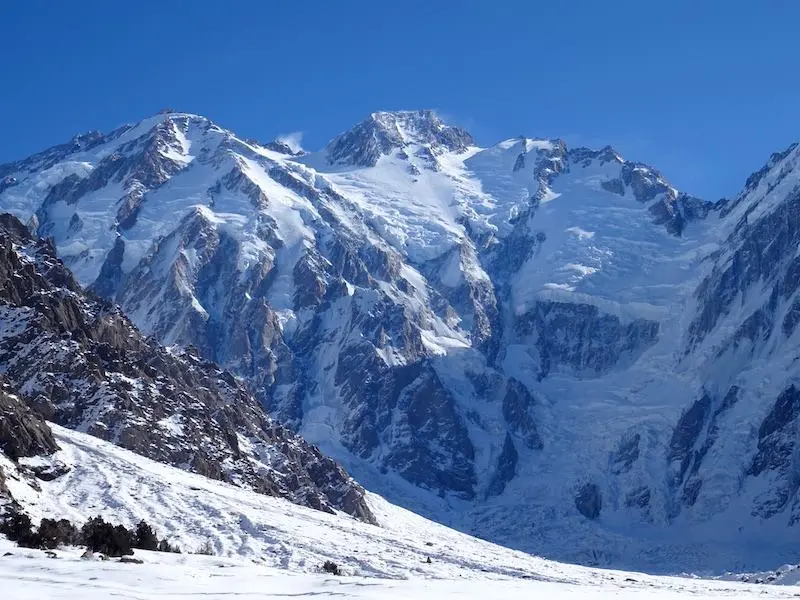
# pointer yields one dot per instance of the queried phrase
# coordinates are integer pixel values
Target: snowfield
(268, 547)
(191, 510)
(28, 575)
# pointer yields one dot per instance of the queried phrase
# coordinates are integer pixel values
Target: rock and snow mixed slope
(266, 545)
(551, 347)
(81, 363)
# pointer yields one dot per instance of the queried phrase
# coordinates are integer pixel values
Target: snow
(269, 547)
(289, 211)
(22, 200)
(293, 140)
(181, 154)
(190, 509)
(615, 251)
(172, 425)
(580, 233)
(28, 575)
(497, 192)
(783, 178)
(413, 213)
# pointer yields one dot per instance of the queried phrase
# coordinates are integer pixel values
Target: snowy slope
(28, 576)
(264, 545)
(189, 509)
(551, 347)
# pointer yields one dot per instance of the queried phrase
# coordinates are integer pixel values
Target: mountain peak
(418, 120)
(386, 131)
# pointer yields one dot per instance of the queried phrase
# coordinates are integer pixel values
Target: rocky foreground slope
(82, 364)
(23, 433)
(552, 347)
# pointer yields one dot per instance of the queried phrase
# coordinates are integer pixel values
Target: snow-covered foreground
(28, 574)
(191, 510)
(267, 547)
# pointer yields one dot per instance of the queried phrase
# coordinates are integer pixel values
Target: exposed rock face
(626, 454)
(760, 253)
(581, 339)
(589, 500)
(86, 367)
(282, 147)
(686, 435)
(22, 431)
(518, 410)
(506, 468)
(777, 438)
(693, 437)
(492, 325)
(638, 498)
(435, 450)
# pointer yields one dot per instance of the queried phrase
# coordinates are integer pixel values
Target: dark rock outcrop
(638, 498)
(581, 339)
(686, 435)
(761, 251)
(777, 442)
(626, 454)
(506, 468)
(518, 404)
(22, 431)
(589, 500)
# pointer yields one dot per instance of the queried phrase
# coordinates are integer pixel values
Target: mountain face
(552, 347)
(82, 364)
(23, 433)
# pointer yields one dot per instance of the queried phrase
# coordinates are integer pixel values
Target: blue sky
(703, 90)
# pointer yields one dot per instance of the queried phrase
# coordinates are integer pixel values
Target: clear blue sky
(704, 90)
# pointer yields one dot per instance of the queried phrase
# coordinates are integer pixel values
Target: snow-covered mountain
(550, 347)
(78, 361)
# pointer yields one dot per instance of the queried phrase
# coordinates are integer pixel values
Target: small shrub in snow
(146, 539)
(53, 534)
(206, 549)
(331, 567)
(108, 539)
(165, 546)
(18, 528)
(97, 535)
(50, 534)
